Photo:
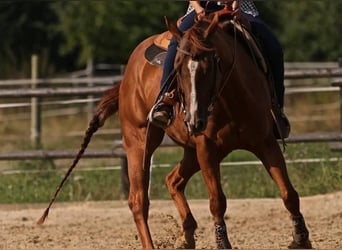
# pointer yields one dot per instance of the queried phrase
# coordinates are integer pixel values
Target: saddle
(155, 54)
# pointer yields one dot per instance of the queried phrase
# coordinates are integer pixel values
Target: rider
(161, 113)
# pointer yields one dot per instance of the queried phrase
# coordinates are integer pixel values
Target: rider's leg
(161, 112)
(274, 53)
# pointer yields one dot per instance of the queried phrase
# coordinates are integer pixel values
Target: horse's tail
(108, 106)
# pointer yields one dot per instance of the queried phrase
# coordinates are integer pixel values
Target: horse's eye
(196, 57)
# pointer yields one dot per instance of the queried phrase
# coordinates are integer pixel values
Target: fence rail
(289, 74)
(313, 73)
(295, 70)
(118, 152)
(53, 92)
(39, 154)
(83, 91)
(69, 80)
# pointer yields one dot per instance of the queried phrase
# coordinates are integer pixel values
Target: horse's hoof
(300, 234)
(303, 245)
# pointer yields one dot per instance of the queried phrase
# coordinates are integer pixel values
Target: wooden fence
(36, 92)
(39, 90)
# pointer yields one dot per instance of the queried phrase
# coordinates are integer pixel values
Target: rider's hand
(198, 9)
(200, 14)
(235, 5)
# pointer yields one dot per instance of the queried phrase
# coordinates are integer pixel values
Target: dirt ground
(252, 224)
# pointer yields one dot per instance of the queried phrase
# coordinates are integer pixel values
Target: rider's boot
(283, 124)
(162, 113)
(286, 124)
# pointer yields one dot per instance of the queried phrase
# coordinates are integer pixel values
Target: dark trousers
(273, 52)
(186, 24)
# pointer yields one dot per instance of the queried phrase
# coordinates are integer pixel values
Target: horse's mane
(197, 34)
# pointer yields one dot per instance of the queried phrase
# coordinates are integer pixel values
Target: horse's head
(198, 70)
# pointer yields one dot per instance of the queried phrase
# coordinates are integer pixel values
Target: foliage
(68, 33)
(110, 30)
(312, 31)
(25, 29)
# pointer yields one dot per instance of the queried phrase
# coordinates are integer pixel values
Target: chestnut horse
(225, 104)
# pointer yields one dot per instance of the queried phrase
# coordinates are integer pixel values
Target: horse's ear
(173, 29)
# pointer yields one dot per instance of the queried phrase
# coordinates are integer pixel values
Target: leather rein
(226, 76)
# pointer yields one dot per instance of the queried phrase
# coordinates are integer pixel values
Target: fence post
(35, 106)
(90, 103)
(339, 64)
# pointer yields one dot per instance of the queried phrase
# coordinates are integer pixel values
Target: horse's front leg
(176, 182)
(209, 160)
(271, 156)
(140, 145)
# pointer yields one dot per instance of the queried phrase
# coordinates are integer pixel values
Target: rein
(226, 76)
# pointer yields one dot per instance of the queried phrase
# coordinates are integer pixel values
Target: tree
(308, 30)
(25, 29)
(64, 33)
(109, 30)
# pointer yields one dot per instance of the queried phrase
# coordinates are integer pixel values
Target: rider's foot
(284, 126)
(161, 115)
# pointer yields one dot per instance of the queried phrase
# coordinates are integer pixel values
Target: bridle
(225, 77)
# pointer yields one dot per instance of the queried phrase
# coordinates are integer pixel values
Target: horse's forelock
(197, 38)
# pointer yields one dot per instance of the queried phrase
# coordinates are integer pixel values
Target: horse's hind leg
(176, 181)
(274, 162)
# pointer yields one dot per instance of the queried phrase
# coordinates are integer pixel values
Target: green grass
(58, 132)
(237, 181)
(253, 180)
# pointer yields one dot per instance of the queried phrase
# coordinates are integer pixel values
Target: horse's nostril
(200, 125)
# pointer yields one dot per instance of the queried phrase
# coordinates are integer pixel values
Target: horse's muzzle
(196, 125)
(199, 125)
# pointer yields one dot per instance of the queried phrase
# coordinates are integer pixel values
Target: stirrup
(158, 122)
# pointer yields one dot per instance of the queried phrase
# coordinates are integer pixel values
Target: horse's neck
(225, 46)
(238, 67)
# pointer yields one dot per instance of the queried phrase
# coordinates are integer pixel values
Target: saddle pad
(155, 55)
